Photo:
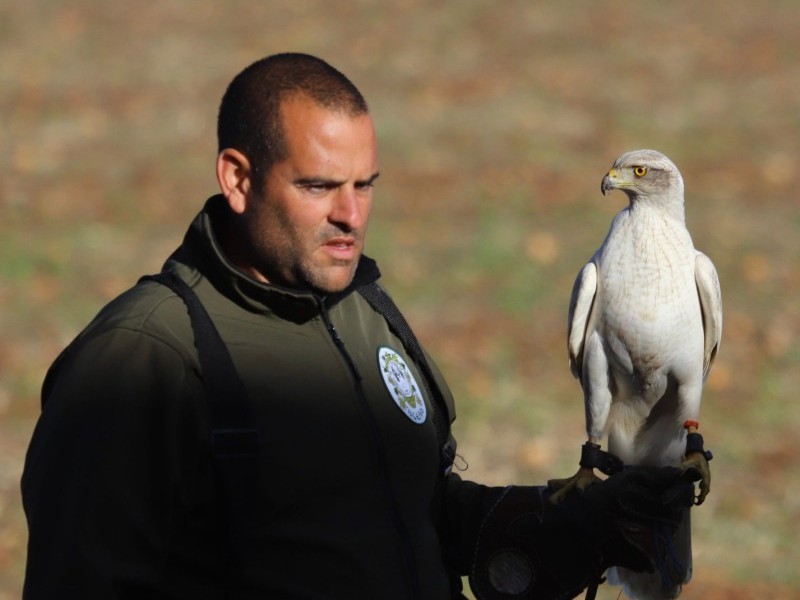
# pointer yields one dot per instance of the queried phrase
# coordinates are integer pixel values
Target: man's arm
(105, 466)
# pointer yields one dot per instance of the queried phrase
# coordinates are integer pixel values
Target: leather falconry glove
(530, 548)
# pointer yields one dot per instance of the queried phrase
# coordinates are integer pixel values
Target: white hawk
(645, 323)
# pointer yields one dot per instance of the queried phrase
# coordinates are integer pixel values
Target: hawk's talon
(698, 462)
(580, 481)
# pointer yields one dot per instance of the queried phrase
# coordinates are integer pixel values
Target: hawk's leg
(696, 460)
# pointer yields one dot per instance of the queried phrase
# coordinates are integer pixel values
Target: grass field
(497, 121)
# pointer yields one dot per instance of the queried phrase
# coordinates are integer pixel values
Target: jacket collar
(202, 252)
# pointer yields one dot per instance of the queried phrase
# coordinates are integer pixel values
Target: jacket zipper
(404, 538)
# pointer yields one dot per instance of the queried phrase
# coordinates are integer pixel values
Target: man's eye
(315, 187)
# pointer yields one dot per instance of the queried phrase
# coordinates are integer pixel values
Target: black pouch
(520, 556)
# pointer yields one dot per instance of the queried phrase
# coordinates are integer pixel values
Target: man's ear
(234, 178)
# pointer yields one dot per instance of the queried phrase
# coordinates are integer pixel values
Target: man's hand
(633, 514)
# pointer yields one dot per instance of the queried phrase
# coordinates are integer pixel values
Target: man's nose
(350, 208)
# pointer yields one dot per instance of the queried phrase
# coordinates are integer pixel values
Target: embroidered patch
(401, 384)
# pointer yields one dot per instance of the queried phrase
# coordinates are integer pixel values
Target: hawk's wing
(705, 276)
(580, 310)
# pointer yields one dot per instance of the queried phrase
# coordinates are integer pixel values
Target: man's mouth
(341, 247)
(341, 242)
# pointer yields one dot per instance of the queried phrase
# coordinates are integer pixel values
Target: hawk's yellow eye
(640, 171)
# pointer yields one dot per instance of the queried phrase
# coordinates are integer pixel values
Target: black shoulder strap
(383, 303)
(234, 440)
(229, 405)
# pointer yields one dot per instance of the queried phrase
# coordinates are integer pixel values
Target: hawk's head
(644, 174)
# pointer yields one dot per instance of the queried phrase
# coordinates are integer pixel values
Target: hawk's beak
(609, 182)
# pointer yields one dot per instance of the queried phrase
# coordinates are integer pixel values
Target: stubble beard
(335, 275)
(309, 268)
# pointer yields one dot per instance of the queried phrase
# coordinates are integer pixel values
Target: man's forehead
(299, 100)
(304, 118)
(327, 144)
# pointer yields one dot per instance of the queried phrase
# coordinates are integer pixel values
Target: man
(346, 490)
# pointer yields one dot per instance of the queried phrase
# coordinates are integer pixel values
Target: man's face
(306, 226)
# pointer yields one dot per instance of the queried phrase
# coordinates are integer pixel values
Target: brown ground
(497, 121)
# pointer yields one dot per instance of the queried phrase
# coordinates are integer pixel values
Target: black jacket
(118, 486)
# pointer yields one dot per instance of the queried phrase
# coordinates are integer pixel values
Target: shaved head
(250, 112)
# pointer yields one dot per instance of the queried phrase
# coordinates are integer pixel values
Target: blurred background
(497, 121)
